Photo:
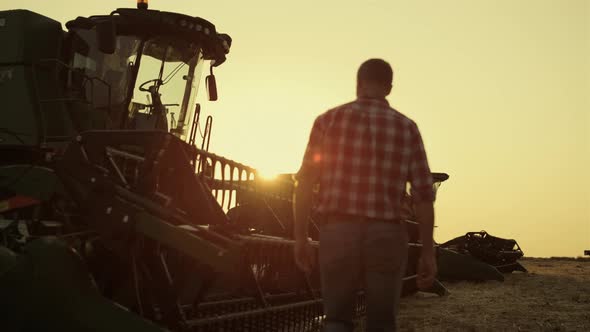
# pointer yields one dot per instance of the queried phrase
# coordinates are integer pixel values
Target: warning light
(142, 4)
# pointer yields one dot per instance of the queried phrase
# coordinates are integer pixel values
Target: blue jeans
(351, 252)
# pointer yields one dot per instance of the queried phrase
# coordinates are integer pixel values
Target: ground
(553, 296)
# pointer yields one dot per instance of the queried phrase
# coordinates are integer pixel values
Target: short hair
(375, 70)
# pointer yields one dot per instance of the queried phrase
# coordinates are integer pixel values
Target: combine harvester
(111, 217)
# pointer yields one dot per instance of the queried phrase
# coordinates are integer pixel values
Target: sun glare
(267, 176)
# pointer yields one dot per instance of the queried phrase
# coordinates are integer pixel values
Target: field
(553, 296)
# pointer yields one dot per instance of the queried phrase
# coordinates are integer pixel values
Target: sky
(499, 89)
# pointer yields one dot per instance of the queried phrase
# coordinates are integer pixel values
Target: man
(362, 154)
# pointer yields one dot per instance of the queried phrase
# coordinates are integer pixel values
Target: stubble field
(553, 296)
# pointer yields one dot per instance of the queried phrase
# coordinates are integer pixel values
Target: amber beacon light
(142, 4)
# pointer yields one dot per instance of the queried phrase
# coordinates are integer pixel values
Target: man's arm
(302, 198)
(305, 179)
(301, 208)
(425, 217)
(427, 268)
(423, 196)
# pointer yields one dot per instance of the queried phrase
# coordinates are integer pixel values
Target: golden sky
(500, 91)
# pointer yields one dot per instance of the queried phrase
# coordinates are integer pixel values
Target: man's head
(374, 79)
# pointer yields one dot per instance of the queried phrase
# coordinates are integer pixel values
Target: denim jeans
(352, 252)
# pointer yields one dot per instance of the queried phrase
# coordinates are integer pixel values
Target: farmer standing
(362, 154)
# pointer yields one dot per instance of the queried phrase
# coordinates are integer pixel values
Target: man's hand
(304, 257)
(426, 269)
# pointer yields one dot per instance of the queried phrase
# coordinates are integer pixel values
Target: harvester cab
(149, 54)
(135, 69)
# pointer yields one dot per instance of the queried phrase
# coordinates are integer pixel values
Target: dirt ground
(553, 296)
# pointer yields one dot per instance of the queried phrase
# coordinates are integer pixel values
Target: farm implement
(114, 216)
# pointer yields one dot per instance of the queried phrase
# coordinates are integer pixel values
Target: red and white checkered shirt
(363, 154)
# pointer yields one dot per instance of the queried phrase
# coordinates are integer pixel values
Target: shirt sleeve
(419, 172)
(310, 167)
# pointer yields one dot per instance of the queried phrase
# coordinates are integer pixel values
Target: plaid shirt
(363, 154)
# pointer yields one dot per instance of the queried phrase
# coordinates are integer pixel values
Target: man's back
(366, 152)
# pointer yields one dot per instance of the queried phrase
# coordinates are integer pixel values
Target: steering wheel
(144, 89)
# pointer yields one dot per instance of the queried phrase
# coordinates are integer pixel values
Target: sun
(267, 175)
